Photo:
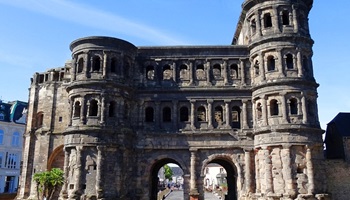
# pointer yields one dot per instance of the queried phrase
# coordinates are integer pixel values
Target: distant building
(12, 125)
(213, 175)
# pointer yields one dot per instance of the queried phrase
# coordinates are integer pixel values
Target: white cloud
(92, 17)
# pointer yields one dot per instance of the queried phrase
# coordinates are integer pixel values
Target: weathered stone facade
(116, 113)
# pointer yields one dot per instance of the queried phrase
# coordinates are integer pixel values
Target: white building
(12, 126)
(213, 176)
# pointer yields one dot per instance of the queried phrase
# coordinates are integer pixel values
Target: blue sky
(35, 36)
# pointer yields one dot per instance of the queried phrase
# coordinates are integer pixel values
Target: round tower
(99, 134)
(287, 135)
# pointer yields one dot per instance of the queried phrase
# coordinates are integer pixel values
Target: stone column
(71, 111)
(245, 114)
(193, 114)
(284, 108)
(257, 171)
(280, 62)
(299, 65)
(104, 70)
(174, 114)
(190, 68)
(174, 72)
(210, 114)
(264, 111)
(103, 109)
(242, 65)
(310, 170)
(304, 109)
(64, 193)
(82, 109)
(78, 176)
(247, 174)
(262, 65)
(268, 172)
(295, 19)
(227, 113)
(275, 19)
(99, 178)
(193, 188)
(258, 23)
(287, 171)
(75, 64)
(224, 64)
(86, 64)
(207, 69)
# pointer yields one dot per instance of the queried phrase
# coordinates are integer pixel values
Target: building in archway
(116, 113)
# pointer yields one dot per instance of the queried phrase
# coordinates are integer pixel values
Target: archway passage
(157, 182)
(225, 177)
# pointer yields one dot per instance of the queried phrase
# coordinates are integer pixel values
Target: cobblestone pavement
(178, 195)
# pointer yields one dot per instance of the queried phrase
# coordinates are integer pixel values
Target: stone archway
(154, 175)
(56, 159)
(231, 174)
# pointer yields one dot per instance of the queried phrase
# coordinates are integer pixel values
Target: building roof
(14, 111)
(342, 123)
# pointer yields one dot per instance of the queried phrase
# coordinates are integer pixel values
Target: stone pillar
(193, 114)
(299, 64)
(245, 114)
(193, 188)
(74, 67)
(258, 23)
(174, 71)
(227, 113)
(274, 16)
(310, 171)
(287, 171)
(210, 114)
(64, 192)
(280, 62)
(99, 178)
(82, 109)
(247, 174)
(71, 111)
(257, 171)
(78, 176)
(86, 64)
(242, 65)
(304, 109)
(284, 108)
(268, 172)
(207, 69)
(190, 68)
(264, 111)
(224, 64)
(295, 19)
(103, 109)
(174, 114)
(262, 65)
(104, 70)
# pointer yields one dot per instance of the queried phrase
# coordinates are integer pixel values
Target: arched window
(183, 71)
(218, 114)
(80, 65)
(183, 114)
(271, 63)
(200, 73)
(167, 73)
(166, 114)
(289, 61)
(111, 109)
(1, 136)
(15, 139)
(236, 119)
(96, 64)
(234, 71)
(259, 111)
(114, 65)
(77, 108)
(293, 106)
(285, 17)
(267, 20)
(93, 108)
(274, 107)
(39, 119)
(150, 72)
(201, 115)
(217, 71)
(149, 114)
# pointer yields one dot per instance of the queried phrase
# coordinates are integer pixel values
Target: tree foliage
(48, 182)
(168, 172)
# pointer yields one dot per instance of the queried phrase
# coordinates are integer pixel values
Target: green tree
(168, 172)
(48, 182)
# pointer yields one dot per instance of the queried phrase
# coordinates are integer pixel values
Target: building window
(96, 64)
(167, 73)
(201, 115)
(113, 65)
(111, 109)
(11, 160)
(234, 71)
(285, 17)
(218, 114)
(39, 119)
(270, 63)
(217, 71)
(236, 120)
(253, 26)
(15, 139)
(150, 72)
(1, 158)
(200, 73)
(166, 114)
(274, 107)
(149, 114)
(293, 106)
(289, 61)
(183, 114)
(77, 108)
(267, 20)
(93, 108)
(183, 72)
(1, 136)
(258, 111)
(80, 65)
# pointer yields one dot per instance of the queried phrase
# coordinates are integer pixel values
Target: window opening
(149, 114)
(113, 65)
(200, 74)
(201, 115)
(111, 109)
(93, 108)
(259, 111)
(150, 72)
(15, 139)
(80, 65)
(96, 64)
(293, 106)
(218, 114)
(289, 61)
(273, 107)
(167, 73)
(77, 108)
(166, 114)
(270, 63)
(234, 71)
(39, 119)
(285, 17)
(253, 25)
(217, 71)
(183, 72)
(267, 20)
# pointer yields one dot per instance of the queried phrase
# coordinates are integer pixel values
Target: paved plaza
(178, 195)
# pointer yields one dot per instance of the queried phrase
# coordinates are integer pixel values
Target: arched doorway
(56, 159)
(222, 178)
(158, 183)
